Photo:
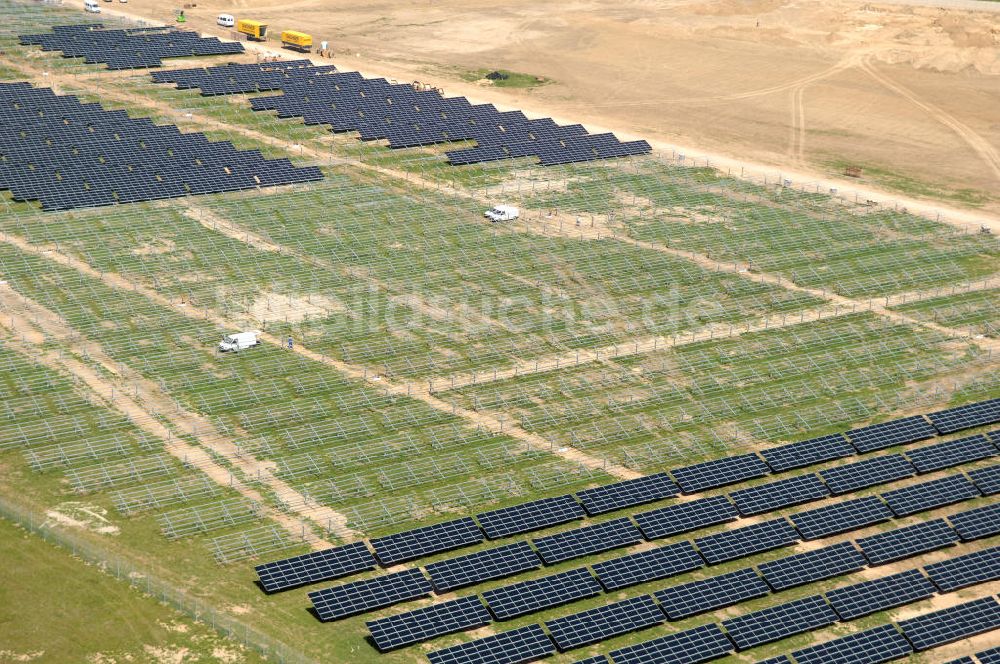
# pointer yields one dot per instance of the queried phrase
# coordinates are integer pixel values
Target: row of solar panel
(128, 49)
(711, 641)
(659, 523)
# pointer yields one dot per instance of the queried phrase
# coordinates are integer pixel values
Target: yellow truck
(254, 30)
(298, 41)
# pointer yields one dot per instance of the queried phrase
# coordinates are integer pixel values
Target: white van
(239, 341)
(502, 213)
(226, 20)
(91, 6)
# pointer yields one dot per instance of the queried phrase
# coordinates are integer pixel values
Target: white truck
(238, 341)
(502, 213)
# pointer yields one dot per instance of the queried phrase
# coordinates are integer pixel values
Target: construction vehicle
(254, 30)
(297, 41)
(226, 20)
(180, 17)
(502, 213)
(238, 341)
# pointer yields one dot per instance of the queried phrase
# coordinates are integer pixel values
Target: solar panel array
(951, 453)
(930, 495)
(518, 645)
(966, 417)
(128, 49)
(715, 592)
(741, 542)
(316, 566)
(841, 517)
(957, 622)
(498, 563)
(863, 474)
(720, 472)
(987, 480)
(67, 154)
(691, 646)
(356, 597)
(872, 646)
(659, 563)
(991, 656)
(810, 566)
(897, 432)
(807, 452)
(977, 523)
(685, 517)
(779, 622)
(427, 540)
(907, 541)
(580, 629)
(526, 517)
(967, 570)
(629, 493)
(862, 599)
(526, 597)
(783, 493)
(571, 544)
(234, 78)
(429, 622)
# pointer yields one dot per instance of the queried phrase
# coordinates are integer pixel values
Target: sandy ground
(802, 87)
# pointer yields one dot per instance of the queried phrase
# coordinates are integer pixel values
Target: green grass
(513, 79)
(912, 186)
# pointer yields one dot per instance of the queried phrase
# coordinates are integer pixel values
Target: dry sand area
(908, 91)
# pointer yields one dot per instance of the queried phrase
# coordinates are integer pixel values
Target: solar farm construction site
(273, 388)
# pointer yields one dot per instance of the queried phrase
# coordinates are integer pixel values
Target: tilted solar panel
(715, 592)
(424, 541)
(524, 644)
(897, 432)
(360, 596)
(807, 452)
(692, 646)
(907, 541)
(779, 622)
(720, 472)
(775, 495)
(587, 540)
(987, 479)
(629, 493)
(801, 568)
(951, 453)
(991, 656)
(872, 646)
(405, 629)
(957, 622)
(863, 474)
(526, 517)
(597, 659)
(497, 563)
(780, 659)
(308, 568)
(966, 570)
(685, 517)
(580, 629)
(745, 541)
(525, 597)
(977, 523)
(930, 495)
(659, 563)
(862, 599)
(841, 517)
(966, 417)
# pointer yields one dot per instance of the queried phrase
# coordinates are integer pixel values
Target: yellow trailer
(298, 41)
(254, 30)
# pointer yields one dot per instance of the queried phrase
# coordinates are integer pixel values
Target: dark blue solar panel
(629, 493)
(360, 596)
(526, 597)
(872, 646)
(580, 629)
(775, 495)
(503, 561)
(712, 593)
(867, 597)
(977, 523)
(578, 542)
(807, 452)
(720, 472)
(907, 541)
(968, 570)
(951, 453)
(991, 656)
(841, 517)
(780, 659)
(745, 541)
(427, 540)
(316, 566)
(526, 517)
(779, 622)
(870, 472)
(966, 417)
(429, 622)
(930, 495)
(524, 644)
(957, 622)
(801, 568)
(597, 659)
(897, 432)
(685, 517)
(691, 646)
(659, 563)
(987, 479)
